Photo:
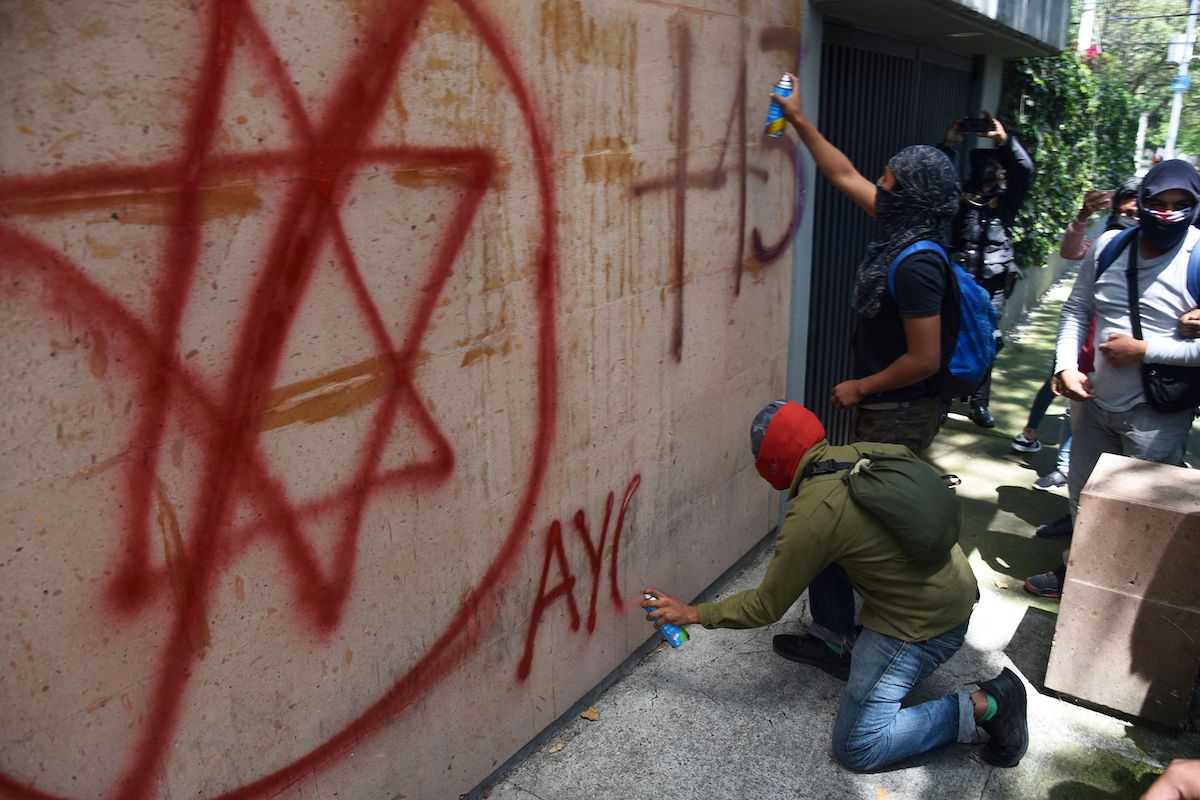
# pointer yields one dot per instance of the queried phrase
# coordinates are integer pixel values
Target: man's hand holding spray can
(674, 634)
(776, 121)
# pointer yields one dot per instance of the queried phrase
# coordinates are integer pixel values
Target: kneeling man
(913, 617)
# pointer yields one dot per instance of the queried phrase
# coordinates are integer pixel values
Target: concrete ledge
(1128, 633)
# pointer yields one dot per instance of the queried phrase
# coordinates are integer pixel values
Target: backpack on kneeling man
(908, 497)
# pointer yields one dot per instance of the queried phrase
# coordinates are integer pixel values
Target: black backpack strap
(827, 467)
(1113, 249)
(1131, 290)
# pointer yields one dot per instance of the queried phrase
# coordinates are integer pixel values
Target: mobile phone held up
(974, 125)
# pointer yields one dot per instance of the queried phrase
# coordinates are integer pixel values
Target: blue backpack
(975, 341)
(1113, 249)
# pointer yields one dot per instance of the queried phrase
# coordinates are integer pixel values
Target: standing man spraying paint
(900, 341)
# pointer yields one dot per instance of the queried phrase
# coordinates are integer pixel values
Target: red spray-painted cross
(235, 468)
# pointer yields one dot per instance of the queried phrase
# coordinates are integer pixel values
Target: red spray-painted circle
(309, 219)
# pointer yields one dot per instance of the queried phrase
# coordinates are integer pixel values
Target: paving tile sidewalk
(724, 717)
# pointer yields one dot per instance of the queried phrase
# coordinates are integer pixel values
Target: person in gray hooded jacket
(1109, 410)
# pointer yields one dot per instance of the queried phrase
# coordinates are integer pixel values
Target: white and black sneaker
(1022, 444)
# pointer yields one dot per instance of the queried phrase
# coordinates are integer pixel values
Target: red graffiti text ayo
(565, 587)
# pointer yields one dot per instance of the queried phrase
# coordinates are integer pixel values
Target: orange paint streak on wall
(142, 208)
(334, 394)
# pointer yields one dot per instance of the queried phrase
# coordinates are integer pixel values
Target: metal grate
(877, 96)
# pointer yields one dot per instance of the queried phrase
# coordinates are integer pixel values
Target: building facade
(361, 361)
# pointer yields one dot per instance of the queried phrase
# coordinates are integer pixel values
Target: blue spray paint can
(775, 119)
(674, 634)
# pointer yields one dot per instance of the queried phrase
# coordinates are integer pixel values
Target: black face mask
(1119, 222)
(889, 210)
(989, 172)
(1164, 230)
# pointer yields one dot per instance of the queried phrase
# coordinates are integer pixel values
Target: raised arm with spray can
(899, 340)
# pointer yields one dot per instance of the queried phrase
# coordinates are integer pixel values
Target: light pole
(1180, 51)
(1087, 24)
(1140, 147)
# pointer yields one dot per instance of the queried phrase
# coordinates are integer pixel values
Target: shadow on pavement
(1031, 505)
(1029, 647)
(1016, 556)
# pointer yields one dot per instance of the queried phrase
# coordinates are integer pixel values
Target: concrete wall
(361, 362)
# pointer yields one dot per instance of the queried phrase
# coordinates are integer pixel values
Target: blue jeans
(1041, 403)
(872, 730)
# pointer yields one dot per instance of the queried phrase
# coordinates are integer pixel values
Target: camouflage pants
(913, 424)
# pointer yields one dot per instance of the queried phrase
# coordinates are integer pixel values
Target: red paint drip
(617, 601)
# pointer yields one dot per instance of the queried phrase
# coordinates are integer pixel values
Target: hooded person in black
(899, 340)
(896, 370)
(1117, 218)
(900, 337)
(982, 232)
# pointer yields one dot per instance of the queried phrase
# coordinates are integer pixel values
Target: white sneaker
(1024, 445)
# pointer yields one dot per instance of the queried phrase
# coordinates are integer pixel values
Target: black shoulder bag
(1168, 387)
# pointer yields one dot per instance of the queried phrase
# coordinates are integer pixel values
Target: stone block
(1128, 633)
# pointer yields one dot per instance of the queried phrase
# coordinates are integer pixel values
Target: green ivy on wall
(1079, 124)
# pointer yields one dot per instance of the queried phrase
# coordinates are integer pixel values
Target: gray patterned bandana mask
(924, 203)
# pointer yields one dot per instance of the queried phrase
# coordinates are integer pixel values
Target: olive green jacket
(825, 526)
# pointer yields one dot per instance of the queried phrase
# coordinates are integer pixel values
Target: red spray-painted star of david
(234, 465)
